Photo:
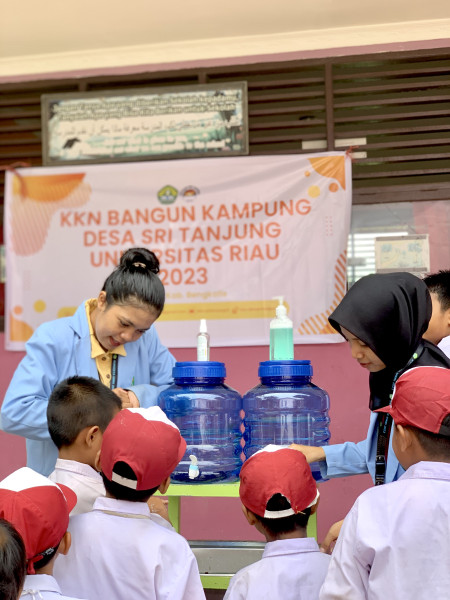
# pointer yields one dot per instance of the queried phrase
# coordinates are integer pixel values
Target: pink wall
(221, 519)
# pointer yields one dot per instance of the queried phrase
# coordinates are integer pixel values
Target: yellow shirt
(103, 359)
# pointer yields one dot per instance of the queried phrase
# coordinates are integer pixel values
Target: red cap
(147, 441)
(277, 470)
(422, 399)
(39, 510)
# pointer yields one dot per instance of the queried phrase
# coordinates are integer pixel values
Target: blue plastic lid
(285, 368)
(199, 369)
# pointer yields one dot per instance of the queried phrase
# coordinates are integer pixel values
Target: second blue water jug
(207, 412)
(286, 408)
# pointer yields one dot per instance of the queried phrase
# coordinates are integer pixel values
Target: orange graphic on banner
(35, 200)
(19, 331)
(252, 309)
(330, 166)
(318, 323)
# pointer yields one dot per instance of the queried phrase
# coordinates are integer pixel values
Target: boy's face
(439, 325)
(96, 438)
(362, 353)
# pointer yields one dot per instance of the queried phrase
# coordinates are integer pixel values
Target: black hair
(48, 555)
(285, 524)
(439, 284)
(135, 281)
(121, 492)
(13, 561)
(76, 403)
(436, 445)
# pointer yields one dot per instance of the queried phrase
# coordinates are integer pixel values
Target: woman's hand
(159, 506)
(312, 453)
(128, 398)
(330, 539)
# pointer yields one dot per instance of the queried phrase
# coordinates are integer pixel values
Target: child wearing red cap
(278, 495)
(395, 541)
(39, 511)
(119, 551)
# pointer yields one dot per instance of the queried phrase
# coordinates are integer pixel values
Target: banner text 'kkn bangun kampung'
(231, 234)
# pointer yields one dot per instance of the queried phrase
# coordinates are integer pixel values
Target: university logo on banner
(232, 234)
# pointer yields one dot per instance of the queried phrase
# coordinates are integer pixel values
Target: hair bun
(138, 259)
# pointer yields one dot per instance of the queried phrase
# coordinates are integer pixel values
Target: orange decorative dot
(18, 310)
(333, 187)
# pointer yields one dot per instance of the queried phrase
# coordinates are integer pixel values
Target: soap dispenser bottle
(281, 334)
(203, 342)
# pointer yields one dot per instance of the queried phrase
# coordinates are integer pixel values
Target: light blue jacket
(355, 458)
(60, 349)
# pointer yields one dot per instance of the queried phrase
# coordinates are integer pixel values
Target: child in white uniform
(278, 495)
(118, 551)
(79, 410)
(13, 561)
(438, 331)
(39, 510)
(395, 541)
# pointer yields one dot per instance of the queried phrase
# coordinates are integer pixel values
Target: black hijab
(389, 312)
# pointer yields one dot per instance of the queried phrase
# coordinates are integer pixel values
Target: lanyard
(114, 368)
(385, 425)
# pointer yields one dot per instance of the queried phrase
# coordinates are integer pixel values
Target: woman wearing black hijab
(383, 316)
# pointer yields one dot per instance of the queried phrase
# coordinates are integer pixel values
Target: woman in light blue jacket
(110, 338)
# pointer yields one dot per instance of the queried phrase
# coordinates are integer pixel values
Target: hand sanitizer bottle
(281, 334)
(203, 342)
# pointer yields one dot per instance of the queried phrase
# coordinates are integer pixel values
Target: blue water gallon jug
(207, 412)
(285, 408)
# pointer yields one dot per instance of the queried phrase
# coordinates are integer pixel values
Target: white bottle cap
(203, 328)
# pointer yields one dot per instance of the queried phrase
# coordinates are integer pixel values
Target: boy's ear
(163, 487)
(249, 515)
(91, 435)
(66, 542)
(97, 462)
(447, 318)
(404, 437)
(315, 506)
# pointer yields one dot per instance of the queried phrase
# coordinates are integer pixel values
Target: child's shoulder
(297, 560)
(422, 480)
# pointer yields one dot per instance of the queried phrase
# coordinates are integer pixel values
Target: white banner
(231, 234)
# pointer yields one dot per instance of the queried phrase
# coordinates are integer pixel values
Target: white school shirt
(291, 569)
(42, 587)
(85, 481)
(395, 541)
(88, 485)
(444, 345)
(118, 552)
